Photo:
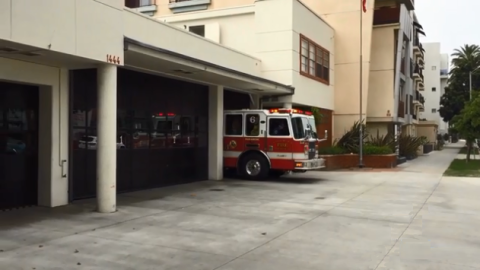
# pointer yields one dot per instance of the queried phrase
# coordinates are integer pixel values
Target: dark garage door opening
(18, 145)
(162, 132)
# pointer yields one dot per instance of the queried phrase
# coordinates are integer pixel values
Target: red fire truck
(262, 143)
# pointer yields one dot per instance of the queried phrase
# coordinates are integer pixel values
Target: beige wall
(87, 28)
(344, 17)
(381, 128)
(429, 131)
(381, 84)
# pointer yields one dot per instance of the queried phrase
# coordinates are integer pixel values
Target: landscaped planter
(335, 162)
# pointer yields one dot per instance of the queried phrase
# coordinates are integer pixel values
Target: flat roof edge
(128, 40)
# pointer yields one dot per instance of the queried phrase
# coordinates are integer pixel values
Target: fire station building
(97, 99)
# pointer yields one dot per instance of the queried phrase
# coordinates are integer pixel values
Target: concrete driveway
(409, 218)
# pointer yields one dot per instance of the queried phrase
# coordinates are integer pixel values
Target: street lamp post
(470, 80)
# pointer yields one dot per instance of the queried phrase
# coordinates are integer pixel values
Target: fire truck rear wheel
(254, 167)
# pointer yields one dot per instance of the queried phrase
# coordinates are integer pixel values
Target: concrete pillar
(215, 134)
(287, 105)
(107, 138)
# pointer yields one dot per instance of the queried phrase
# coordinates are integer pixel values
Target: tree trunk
(469, 150)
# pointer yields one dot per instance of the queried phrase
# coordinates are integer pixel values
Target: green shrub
(376, 150)
(351, 139)
(439, 145)
(446, 137)
(332, 150)
(408, 145)
(384, 140)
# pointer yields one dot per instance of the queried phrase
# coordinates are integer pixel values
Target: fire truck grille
(311, 150)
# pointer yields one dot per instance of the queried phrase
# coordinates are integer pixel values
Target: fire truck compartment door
(255, 130)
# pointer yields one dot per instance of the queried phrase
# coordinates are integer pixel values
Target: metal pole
(470, 78)
(360, 152)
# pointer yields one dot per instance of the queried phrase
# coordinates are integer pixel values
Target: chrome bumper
(310, 164)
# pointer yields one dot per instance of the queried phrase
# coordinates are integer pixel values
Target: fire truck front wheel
(254, 167)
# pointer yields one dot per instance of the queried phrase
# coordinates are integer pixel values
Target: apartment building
(390, 100)
(436, 75)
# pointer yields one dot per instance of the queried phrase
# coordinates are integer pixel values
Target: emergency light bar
(290, 111)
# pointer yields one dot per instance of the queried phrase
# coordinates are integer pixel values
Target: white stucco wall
(311, 92)
(53, 125)
(274, 38)
(278, 46)
(433, 64)
(91, 29)
(233, 27)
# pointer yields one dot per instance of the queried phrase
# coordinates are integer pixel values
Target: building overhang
(31, 54)
(151, 59)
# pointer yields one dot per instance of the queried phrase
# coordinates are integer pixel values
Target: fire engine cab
(262, 143)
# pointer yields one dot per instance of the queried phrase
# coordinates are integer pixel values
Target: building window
(252, 125)
(434, 110)
(434, 67)
(434, 89)
(233, 124)
(314, 61)
(198, 29)
(278, 127)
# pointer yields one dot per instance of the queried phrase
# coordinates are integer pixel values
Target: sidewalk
(436, 162)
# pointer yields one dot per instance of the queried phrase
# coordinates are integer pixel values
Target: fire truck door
(255, 131)
(279, 144)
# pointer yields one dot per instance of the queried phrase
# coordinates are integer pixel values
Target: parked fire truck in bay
(262, 143)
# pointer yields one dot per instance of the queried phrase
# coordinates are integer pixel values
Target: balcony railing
(444, 72)
(179, 6)
(401, 109)
(419, 97)
(386, 15)
(139, 3)
(418, 70)
(147, 7)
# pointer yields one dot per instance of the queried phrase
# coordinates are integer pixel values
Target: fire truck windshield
(304, 127)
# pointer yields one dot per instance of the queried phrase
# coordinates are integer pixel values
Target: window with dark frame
(233, 124)
(252, 125)
(314, 61)
(278, 127)
(197, 29)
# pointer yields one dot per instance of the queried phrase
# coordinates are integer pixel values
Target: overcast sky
(453, 23)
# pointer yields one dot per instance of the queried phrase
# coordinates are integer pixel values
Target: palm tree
(465, 59)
